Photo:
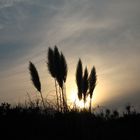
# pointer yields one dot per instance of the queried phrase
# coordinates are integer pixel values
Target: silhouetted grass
(35, 122)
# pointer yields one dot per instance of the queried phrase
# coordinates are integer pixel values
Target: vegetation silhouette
(85, 84)
(51, 68)
(57, 67)
(35, 79)
(31, 122)
(92, 84)
(79, 75)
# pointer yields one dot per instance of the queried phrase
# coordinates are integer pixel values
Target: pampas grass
(92, 83)
(35, 79)
(85, 84)
(58, 69)
(79, 75)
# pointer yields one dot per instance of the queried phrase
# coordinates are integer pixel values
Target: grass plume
(79, 75)
(35, 79)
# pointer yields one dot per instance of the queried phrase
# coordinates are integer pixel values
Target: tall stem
(57, 95)
(61, 101)
(64, 103)
(42, 100)
(90, 105)
(84, 101)
(84, 105)
(65, 96)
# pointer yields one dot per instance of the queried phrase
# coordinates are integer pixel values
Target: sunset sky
(103, 33)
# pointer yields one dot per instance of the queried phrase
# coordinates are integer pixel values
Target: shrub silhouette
(32, 122)
(35, 79)
(115, 114)
(107, 113)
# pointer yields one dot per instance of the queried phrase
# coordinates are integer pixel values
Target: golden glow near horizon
(100, 94)
(73, 99)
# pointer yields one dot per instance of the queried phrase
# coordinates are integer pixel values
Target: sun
(73, 99)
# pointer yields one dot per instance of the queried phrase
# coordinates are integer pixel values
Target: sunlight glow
(75, 101)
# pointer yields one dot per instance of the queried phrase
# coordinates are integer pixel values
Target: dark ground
(32, 123)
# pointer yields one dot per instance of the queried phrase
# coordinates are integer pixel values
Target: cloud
(104, 33)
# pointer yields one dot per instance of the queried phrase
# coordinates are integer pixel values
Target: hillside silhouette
(28, 122)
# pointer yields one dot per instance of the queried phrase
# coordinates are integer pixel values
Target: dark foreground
(32, 123)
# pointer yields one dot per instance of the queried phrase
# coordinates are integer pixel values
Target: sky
(103, 33)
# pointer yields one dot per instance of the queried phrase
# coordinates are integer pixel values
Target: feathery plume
(35, 79)
(85, 84)
(34, 76)
(79, 75)
(92, 81)
(92, 84)
(50, 63)
(64, 68)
